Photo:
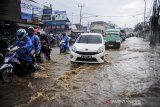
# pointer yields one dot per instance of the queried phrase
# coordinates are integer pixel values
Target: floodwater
(129, 77)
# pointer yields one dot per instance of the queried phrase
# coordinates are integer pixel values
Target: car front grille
(84, 59)
(111, 42)
(87, 53)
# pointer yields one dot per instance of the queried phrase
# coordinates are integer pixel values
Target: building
(56, 26)
(100, 27)
(12, 17)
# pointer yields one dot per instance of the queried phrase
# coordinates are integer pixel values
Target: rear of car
(123, 35)
(112, 38)
(89, 48)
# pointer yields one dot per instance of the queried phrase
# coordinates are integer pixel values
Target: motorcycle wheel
(6, 75)
(61, 50)
(43, 57)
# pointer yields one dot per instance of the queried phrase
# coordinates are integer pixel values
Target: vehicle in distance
(112, 38)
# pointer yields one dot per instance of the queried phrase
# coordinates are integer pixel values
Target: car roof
(113, 30)
(91, 34)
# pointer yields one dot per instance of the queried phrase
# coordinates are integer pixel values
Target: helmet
(21, 33)
(30, 28)
(64, 34)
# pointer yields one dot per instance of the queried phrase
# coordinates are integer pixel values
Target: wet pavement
(129, 77)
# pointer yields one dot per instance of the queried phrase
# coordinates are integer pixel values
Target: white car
(88, 48)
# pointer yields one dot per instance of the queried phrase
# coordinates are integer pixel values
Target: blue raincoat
(36, 43)
(25, 53)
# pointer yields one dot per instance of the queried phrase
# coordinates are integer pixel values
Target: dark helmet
(64, 34)
(30, 29)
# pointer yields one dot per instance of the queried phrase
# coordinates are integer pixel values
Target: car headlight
(105, 41)
(118, 40)
(100, 50)
(74, 49)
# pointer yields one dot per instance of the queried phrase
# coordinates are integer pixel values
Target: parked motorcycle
(1, 58)
(14, 65)
(63, 46)
(3, 48)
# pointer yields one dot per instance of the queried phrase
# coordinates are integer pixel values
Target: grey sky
(103, 8)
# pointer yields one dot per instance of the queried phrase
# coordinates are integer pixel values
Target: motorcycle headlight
(100, 50)
(118, 40)
(74, 49)
(6, 60)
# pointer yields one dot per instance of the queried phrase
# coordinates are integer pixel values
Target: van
(113, 38)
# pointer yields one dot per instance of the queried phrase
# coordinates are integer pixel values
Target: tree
(139, 27)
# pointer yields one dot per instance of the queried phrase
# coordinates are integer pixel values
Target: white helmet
(21, 33)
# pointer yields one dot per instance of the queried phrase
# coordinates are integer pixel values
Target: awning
(77, 31)
(26, 25)
(58, 23)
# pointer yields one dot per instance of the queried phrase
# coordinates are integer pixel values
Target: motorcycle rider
(25, 44)
(65, 38)
(36, 47)
(45, 45)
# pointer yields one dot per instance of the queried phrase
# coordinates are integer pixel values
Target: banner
(60, 15)
(47, 18)
(26, 9)
(47, 11)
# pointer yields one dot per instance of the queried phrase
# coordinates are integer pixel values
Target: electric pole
(144, 13)
(81, 6)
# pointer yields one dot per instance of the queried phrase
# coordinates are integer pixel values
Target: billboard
(26, 9)
(47, 11)
(60, 15)
(46, 17)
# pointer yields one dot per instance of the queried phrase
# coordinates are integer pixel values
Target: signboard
(60, 15)
(47, 11)
(46, 17)
(26, 9)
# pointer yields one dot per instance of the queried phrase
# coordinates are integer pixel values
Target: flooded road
(129, 77)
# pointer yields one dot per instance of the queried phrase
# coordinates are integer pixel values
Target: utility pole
(144, 14)
(154, 23)
(88, 26)
(81, 6)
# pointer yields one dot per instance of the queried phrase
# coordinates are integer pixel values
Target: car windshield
(113, 33)
(90, 39)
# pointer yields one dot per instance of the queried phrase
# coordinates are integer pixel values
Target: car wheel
(118, 45)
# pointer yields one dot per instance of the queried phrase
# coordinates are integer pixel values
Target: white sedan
(88, 48)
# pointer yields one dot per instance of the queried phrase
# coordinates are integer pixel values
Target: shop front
(56, 27)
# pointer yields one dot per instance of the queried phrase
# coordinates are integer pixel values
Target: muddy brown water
(129, 77)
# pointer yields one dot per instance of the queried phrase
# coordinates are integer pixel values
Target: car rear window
(90, 39)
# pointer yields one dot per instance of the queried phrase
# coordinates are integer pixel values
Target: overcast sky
(102, 9)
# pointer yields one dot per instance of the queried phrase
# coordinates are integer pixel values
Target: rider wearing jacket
(36, 47)
(66, 39)
(25, 44)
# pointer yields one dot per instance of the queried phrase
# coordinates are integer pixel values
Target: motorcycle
(1, 58)
(63, 46)
(14, 65)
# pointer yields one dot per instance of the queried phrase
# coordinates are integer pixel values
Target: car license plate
(86, 57)
(110, 45)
